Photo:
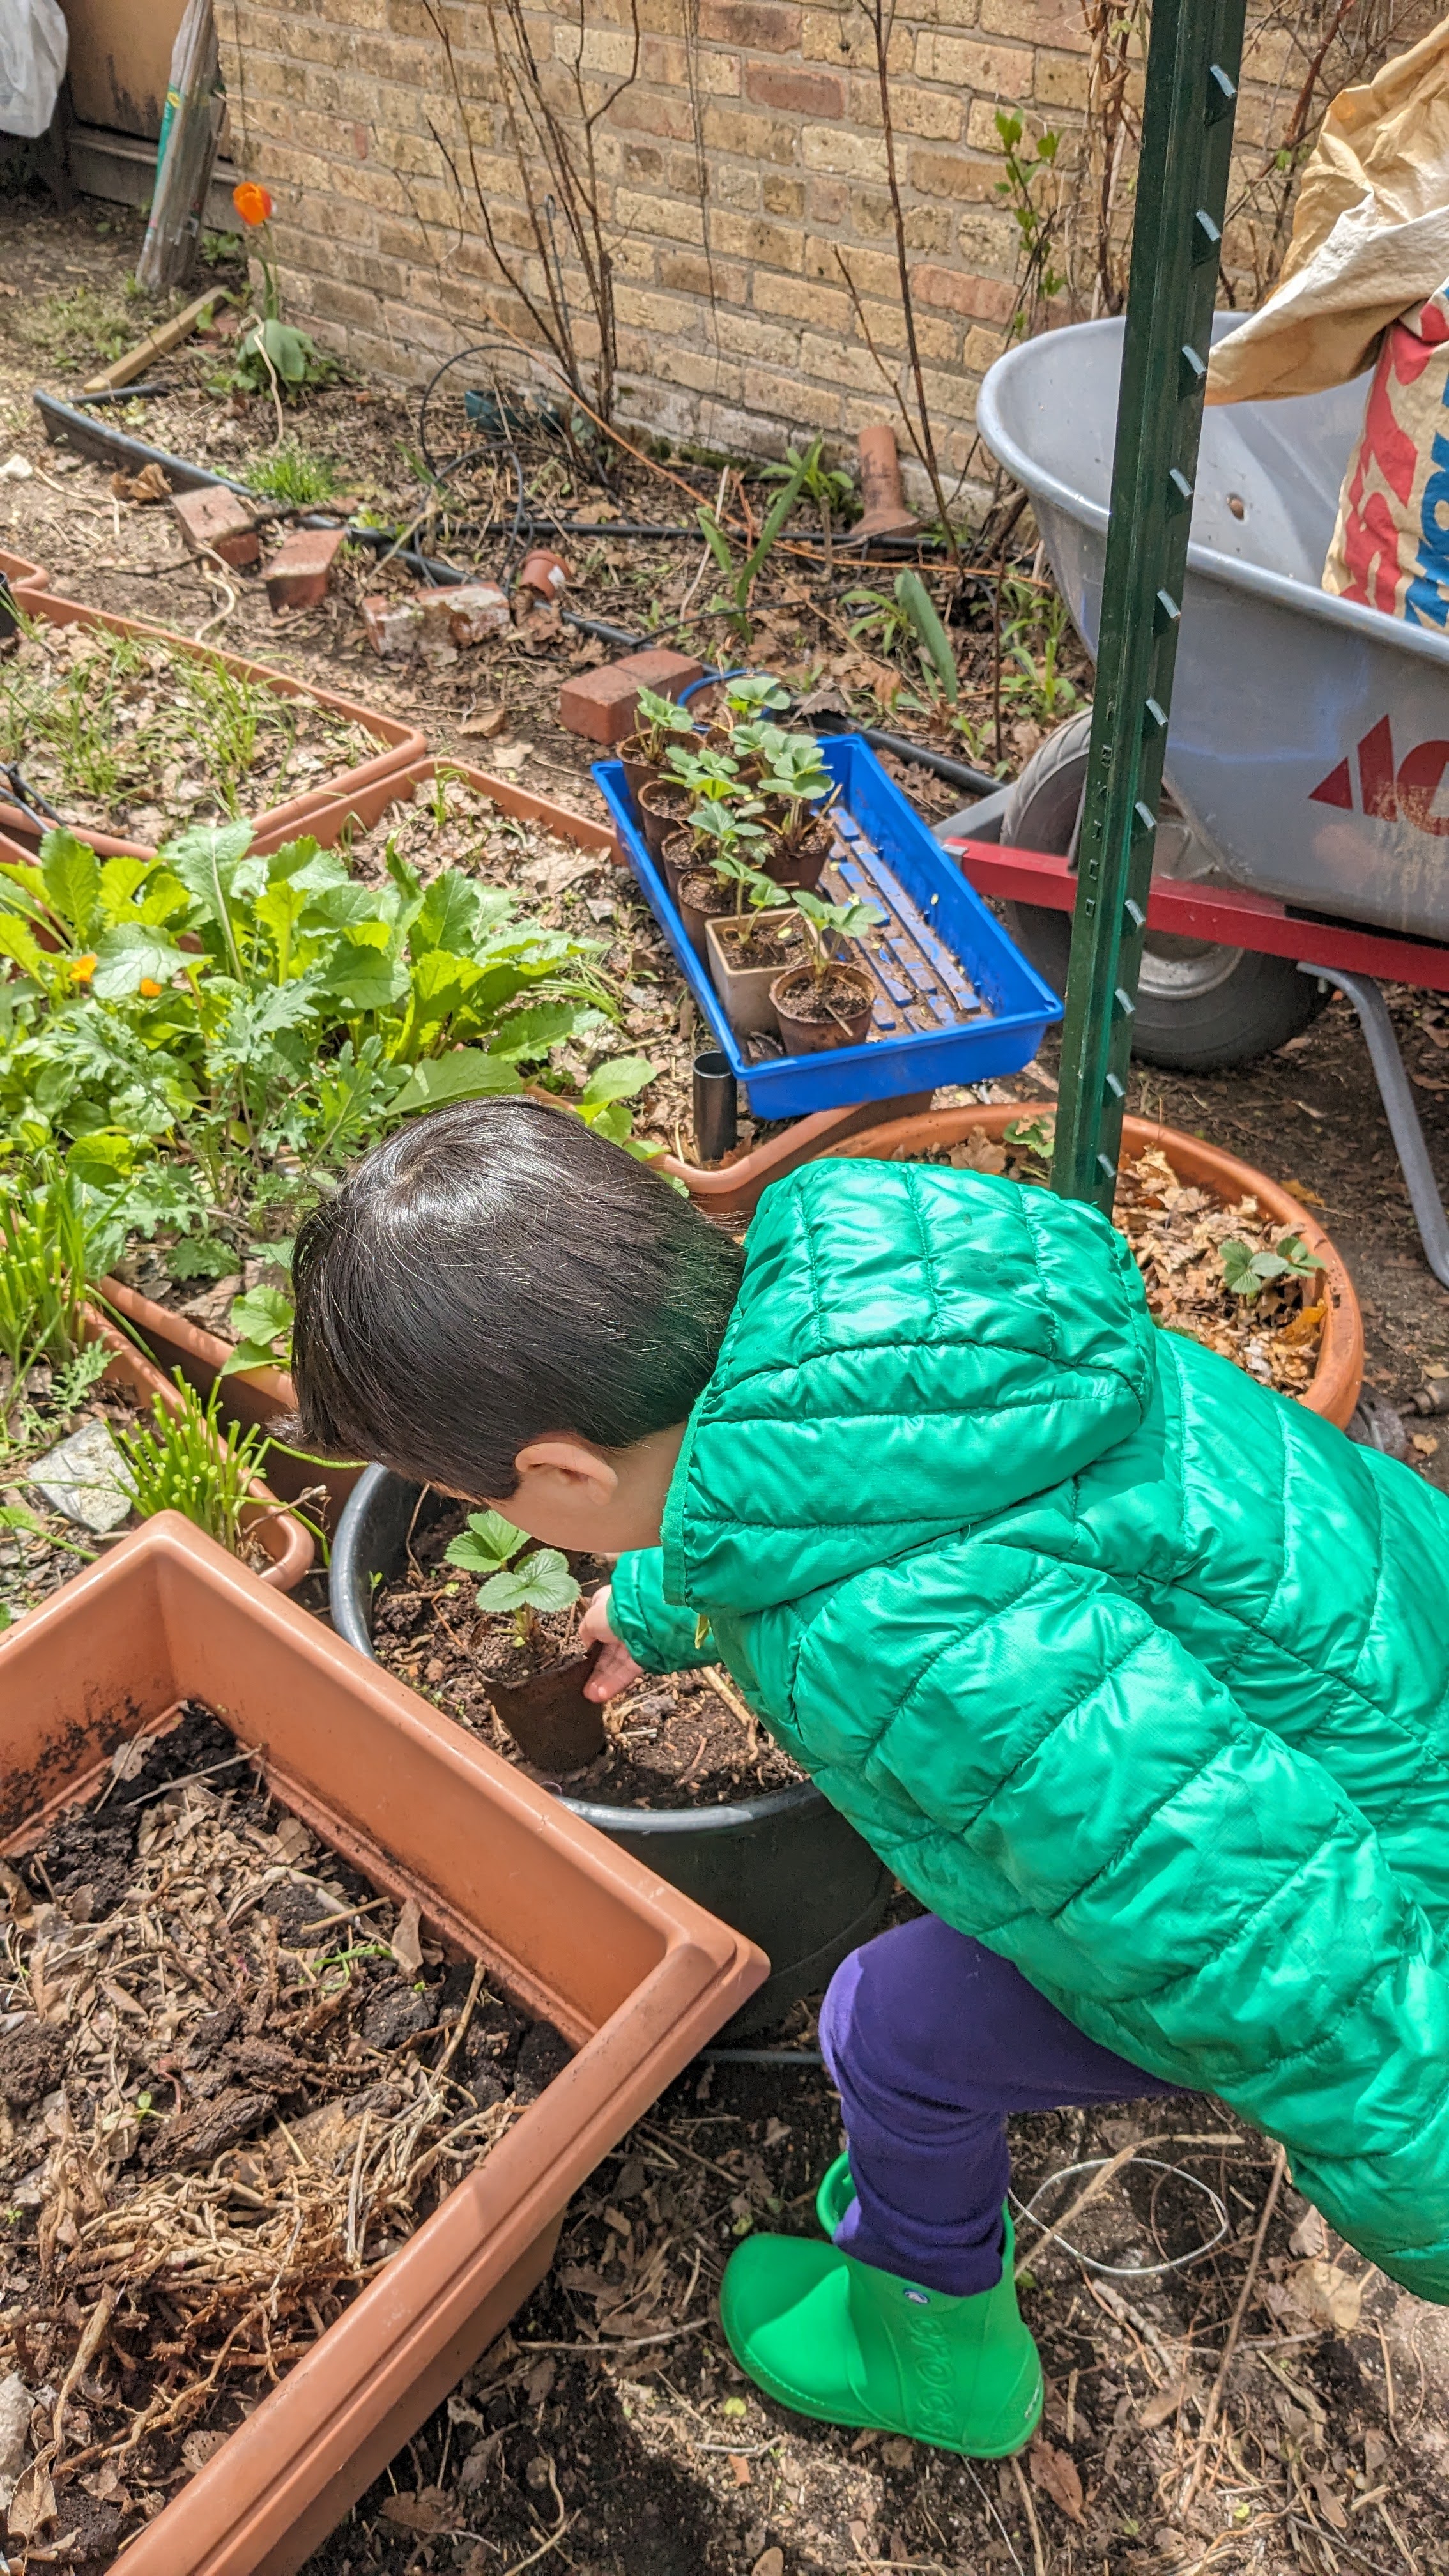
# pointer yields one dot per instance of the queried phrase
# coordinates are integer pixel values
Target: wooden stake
(157, 343)
(185, 174)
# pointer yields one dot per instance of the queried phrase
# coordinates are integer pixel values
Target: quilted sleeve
(658, 1633)
(1057, 1775)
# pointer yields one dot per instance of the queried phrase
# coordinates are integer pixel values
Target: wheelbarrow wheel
(1201, 1007)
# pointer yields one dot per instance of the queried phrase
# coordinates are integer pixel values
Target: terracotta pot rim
(1334, 1388)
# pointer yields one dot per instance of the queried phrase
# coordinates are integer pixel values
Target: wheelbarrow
(1303, 841)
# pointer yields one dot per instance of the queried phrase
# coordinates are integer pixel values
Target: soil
(683, 1741)
(770, 944)
(186, 2157)
(106, 729)
(612, 2420)
(836, 997)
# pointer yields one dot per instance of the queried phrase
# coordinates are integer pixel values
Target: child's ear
(580, 1465)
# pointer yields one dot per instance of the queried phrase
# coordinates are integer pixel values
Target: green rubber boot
(837, 2339)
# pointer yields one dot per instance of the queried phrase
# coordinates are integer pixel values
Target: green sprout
(826, 922)
(189, 1461)
(655, 720)
(526, 1588)
(1249, 1273)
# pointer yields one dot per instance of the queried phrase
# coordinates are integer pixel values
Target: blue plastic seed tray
(955, 1000)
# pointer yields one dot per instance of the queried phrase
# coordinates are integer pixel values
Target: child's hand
(616, 1669)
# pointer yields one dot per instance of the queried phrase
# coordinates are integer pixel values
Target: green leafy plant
(54, 1238)
(1033, 199)
(826, 923)
(657, 723)
(750, 883)
(525, 1588)
(921, 612)
(831, 491)
(190, 1461)
(800, 781)
(1035, 1138)
(1248, 1273)
(261, 1319)
(741, 577)
(291, 473)
(752, 694)
(1035, 625)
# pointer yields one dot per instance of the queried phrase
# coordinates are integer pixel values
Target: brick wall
(737, 169)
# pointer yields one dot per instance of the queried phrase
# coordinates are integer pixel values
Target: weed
(1034, 627)
(189, 1461)
(742, 577)
(291, 473)
(831, 491)
(80, 321)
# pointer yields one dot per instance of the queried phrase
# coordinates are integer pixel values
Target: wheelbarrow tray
(955, 1000)
(1309, 741)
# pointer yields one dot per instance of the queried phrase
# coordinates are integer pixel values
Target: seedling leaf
(467, 1074)
(486, 1545)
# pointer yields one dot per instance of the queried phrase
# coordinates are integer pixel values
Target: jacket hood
(912, 1349)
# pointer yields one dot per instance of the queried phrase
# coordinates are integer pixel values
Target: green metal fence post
(1193, 60)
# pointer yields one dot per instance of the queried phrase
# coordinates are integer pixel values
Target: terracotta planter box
(24, 578)
(632, 1973)
(284, 1539)
(1339, 1375)
(398, 743)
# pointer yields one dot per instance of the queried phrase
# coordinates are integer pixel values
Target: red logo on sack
(1406, 794)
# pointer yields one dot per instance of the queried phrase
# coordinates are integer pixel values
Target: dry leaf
(1310, 2236)
(741, 2469)
(1159, 2409)
(292, 1839)
(32, 2506)
(1326, 2295)
(1328, 2504)
(488, 721)
(407, 1948)
(149, 485)
(772, 2564)
(197, 2449)
(898, 2453)
(1424, 1441)
(128, 1758)
(1055, 2472)
(429, 2510)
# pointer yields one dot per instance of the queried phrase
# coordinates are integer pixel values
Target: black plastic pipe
(716, 1106)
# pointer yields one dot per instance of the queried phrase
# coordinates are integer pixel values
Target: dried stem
(1215, 2396)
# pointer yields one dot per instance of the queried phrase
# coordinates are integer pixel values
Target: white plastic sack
(33, 43)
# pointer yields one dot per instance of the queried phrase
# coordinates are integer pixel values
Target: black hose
(954, 771)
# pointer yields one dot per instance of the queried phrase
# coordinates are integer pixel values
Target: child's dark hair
(494, 1273)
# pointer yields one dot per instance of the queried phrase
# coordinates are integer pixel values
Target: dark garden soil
(611, 2423)
(769, 944)
(234, 2083)
(684, 1741)
(835, 997)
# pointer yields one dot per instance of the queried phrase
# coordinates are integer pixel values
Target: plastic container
(399, 744)
(784, 1868)
(956, 1002)
(634, 1975)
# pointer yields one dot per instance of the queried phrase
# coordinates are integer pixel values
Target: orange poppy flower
(251, 202)
(84, 968)
(149, 990)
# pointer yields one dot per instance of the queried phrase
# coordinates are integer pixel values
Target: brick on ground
(601, 705)
(215, 521)
(300, 571)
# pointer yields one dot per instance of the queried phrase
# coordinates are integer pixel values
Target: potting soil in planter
(1180, 1235)
(122, 735)
(674, 1742)
(234, 2082)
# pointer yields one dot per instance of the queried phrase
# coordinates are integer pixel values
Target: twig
(150, 1796)
(730, 1696)
(620, 2343)
(1215, 2394)
(1029, 2509)
(542, 2552)
(219, 580)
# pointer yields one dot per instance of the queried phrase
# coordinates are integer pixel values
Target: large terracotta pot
(632, 1973)
(1339, 1375)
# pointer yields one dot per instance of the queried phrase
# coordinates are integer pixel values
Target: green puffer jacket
(1129, 1668)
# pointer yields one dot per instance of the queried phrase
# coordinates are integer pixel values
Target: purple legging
(930, 2040)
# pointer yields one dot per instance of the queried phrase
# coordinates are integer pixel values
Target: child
(1137, 1675)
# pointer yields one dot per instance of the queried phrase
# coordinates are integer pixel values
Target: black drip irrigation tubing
(105, 445)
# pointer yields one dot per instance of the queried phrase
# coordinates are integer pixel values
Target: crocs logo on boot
(918, 2298)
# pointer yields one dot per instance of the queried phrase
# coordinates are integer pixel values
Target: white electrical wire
(1027, 2212)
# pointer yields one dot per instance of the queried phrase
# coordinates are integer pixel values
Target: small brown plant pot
(811, 1035)
(633, 1974)
(663, 804)
(804, 865)
(637, 770)
(744, 990)
(553, 1725)
(677, 858)
(701, 898)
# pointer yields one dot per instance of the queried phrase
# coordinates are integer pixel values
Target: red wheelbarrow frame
(1359, 961)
